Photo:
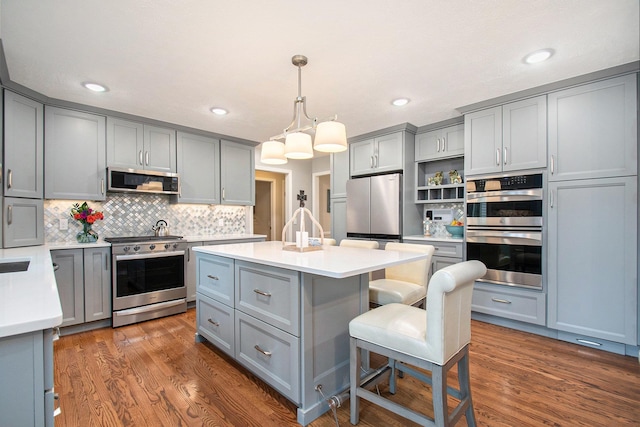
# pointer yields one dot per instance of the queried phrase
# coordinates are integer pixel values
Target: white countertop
(331, 261)
(434, 239)
(29, 299)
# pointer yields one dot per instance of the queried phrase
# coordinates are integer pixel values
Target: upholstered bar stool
(404, 283)
(353, 243)
(434, 339)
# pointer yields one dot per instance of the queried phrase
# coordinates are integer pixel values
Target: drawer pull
(212, 277)
(213, 322)
(263, 293)
(502, 301)
(597, 344)
(266, 353)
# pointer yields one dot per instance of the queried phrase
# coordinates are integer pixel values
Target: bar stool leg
(439, 389)
(465, 387)
(354, 374)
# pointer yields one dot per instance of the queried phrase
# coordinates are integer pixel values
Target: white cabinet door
(198, 163)
(524, 134)
(593, 130)
(23, 223)
(592, 274)
(23, 146)
(483, 142)
(70, 281)
(75, 155)
(237, 174)
(361, 160)
(97, 284)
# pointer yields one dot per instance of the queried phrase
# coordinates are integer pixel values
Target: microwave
(142, 181)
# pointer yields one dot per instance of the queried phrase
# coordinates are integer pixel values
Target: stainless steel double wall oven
(504, 228)
(148, 277)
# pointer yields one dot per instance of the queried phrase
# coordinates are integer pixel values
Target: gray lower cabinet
(23, 222)
(288, 328)
(84, 284)
(237, 173)
(75, 159)
(140, 146)
(191, 277)
(445, 254)
(23, 146)
(593, 130)
(592, 259)
(26, 389)
(198, 163)
(512, 303)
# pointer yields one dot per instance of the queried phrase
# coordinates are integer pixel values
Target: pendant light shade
(298, 146)
(272, 153)
(331, 137)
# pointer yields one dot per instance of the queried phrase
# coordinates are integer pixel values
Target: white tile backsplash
(132, 214)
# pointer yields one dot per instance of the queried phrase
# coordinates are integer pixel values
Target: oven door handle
(499, 237)
(145, 256)
(505, 196)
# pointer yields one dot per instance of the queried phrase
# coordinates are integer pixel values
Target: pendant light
(330, 135)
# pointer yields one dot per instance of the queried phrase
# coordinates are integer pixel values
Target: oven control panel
(148, 247)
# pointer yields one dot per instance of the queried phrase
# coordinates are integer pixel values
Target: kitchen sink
(13, 266)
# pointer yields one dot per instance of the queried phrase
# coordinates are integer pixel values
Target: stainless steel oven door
(512, 257)
(142, 279)
(509, 208)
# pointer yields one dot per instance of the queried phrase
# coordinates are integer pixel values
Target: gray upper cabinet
(592, 258)
(237, 173)
(23, 223)
(74, 155)
(139, 146)
(377, 155)
(440, 143)
(198, 161)
(23, 147)
(593, 130)
(510, 137)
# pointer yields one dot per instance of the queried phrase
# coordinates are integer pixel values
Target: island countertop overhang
(332, 261)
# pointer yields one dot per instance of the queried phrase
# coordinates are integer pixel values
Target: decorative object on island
(454, 177)
(303, 242)
(86, 216)
(330, 135)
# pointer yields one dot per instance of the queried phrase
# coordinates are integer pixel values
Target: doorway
(269, 209)
(321, 202)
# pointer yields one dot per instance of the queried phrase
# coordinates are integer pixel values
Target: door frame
(287, 203)
(315, 202)
(272, 198)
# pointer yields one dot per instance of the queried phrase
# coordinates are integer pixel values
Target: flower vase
(87, 235)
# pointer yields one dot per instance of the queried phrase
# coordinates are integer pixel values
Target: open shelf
(446, 192)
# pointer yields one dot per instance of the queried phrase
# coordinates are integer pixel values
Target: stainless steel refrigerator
(374, 207)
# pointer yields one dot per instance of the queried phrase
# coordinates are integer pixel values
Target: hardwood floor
(154, 374)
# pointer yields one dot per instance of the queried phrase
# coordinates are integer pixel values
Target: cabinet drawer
(269, 353)
(215, 277)
(216, 322)
(587, 341)
(453, 249)
(510, 303)
(269, 294)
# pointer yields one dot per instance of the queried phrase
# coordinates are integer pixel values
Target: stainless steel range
(148, 277)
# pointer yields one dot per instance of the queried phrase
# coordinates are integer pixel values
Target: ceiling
(173, 60)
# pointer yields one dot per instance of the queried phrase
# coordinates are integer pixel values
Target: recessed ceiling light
(95, 87)
(400, 102)
(219, 111)
(538, 56)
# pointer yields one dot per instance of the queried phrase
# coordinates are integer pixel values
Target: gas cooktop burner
(136, 239)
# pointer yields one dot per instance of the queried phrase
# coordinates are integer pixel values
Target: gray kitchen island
(284, 315)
